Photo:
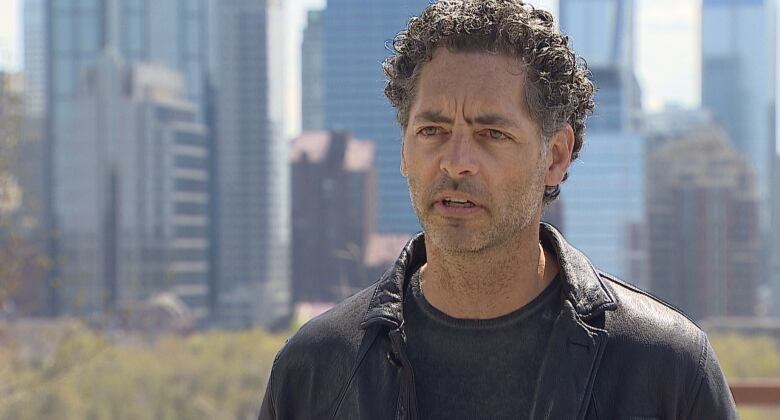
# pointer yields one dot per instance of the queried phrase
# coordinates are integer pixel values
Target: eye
(495, 134)
(429, 131)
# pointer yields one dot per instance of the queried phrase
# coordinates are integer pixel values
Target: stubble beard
(522, 203)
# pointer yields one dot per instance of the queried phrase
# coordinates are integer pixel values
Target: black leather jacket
(615, 352)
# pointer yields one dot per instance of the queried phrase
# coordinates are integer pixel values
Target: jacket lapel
(568, 371)
(576, 344)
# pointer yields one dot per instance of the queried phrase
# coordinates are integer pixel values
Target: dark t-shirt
(477, 369)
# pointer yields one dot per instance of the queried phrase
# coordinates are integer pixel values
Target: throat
(476, 287)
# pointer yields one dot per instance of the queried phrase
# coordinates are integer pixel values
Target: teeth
(457, 203)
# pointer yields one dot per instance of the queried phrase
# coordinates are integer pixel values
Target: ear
(560, 148)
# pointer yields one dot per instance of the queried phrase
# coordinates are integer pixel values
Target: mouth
(457, 206)
(457, 203)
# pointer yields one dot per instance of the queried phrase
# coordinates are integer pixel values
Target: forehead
(472, 82)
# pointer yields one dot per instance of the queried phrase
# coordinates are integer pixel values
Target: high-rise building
(737, 58)
(776, 179)
(657, 130)
(604, 199)
(602, 32)
(133, 181)
(62, 40)
(702, 206)
(355, 33)
(252, 165)
(312, 112)
(333, 193)
(604, 195)
(775, 289)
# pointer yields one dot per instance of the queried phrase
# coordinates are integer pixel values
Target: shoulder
(333, 333)
(664, 350)
(655, 340)
(645, 318)
(315, 363)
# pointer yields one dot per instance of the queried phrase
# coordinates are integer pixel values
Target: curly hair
(558, 89)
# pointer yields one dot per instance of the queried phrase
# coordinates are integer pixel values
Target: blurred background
(184, 182)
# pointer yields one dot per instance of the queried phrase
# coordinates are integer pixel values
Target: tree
(86, 376)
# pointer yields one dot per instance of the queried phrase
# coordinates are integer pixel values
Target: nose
(458, 157)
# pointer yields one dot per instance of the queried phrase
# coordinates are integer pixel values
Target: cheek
(415, 161)
(514, 178)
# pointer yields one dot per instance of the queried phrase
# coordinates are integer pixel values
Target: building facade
(333, 189)
(603, 33)
(134, 177)
(604, 195)
(312, 110)
(703, 227)
(64, 39)
(737, 59)
(604, 200)
(738, 56)
(355, 36)
(252, 166)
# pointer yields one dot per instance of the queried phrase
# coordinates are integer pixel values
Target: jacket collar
(582, 285)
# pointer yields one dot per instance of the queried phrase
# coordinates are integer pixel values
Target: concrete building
(252, 165)
(658, 129)
(334, 194)
(702, 212)
(738, 58)
(354, 37)
(63, 39)
(604, 195)
(133, 205)
(312, 111)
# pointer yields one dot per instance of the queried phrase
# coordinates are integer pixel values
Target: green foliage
(215, 375)
(79, 374)
(749, 357)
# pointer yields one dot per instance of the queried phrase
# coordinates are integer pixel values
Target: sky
(10, 35)
(666, 30)
(668, 58)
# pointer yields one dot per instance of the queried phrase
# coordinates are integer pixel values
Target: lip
(456, 212)
(457, 196)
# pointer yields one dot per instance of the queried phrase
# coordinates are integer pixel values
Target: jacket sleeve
(268, 409)
(712, 399)
(268, 406)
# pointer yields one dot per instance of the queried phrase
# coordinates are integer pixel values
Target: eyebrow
(484, 119)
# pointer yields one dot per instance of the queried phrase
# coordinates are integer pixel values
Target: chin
(457, 240)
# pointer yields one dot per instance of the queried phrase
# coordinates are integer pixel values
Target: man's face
(474, 159)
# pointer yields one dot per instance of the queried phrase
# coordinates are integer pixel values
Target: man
(488, 313)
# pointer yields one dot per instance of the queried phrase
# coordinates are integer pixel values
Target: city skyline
(238, 79)
(664, 28)
(606, 186)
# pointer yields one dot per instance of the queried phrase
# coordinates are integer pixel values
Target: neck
(489, 283)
